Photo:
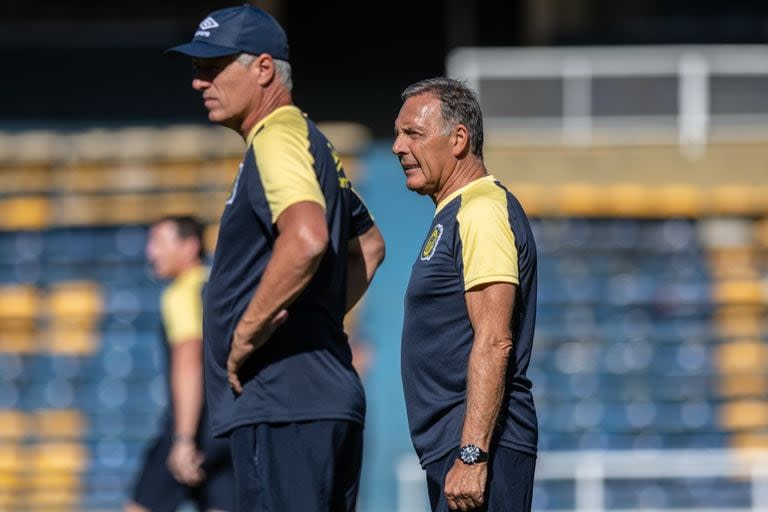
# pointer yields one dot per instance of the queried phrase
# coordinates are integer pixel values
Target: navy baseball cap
(236, 29)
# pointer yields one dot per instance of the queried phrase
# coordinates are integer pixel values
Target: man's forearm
(358, 280)
(486, 379)
(289, 271)
(187, 387)
(366, 252)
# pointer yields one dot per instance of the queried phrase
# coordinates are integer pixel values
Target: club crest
(431, 244)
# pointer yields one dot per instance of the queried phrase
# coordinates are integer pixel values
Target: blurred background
(635, 134)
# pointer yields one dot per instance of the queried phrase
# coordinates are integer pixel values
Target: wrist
(182, 438)
(471, 454)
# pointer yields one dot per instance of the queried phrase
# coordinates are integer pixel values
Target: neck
(465, 172)
(186, 267)
(273, 98)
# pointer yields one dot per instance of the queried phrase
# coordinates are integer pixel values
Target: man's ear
(266, 68)
(459, 140)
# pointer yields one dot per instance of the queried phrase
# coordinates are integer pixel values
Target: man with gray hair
(297, 249)
(470, 310)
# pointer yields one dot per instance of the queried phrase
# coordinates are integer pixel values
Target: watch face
(469, 454)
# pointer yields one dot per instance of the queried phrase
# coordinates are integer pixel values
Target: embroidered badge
(431, 244)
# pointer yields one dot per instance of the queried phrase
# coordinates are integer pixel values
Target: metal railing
(623, 94)
(589, 472)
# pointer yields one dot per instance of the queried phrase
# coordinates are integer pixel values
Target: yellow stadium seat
(628, 200)
(19, 302)
(678, 201)
(581, 200)
(55, 489)
(733, 263)
(12, 458)
(535, 198)
(60, 424)
(58, 456)
(738, 292)
(742, 356)
(12, 491)
(79, 300)
(736, 199)
(742, 386)
(739, 320)
(744, 415)
(750, 441)
(27, 212)
(16, 341)
(14, 425)
(27, 179)
(63, 337)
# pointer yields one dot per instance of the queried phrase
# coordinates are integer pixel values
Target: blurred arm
(366, 253)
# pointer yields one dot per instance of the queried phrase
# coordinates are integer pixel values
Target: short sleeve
(488, 251)
(361, 217)
(286, 166)
(182, 311)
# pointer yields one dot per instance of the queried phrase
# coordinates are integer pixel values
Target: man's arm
(301, 242)
(490, 310)
(366, 252)
(187, 395)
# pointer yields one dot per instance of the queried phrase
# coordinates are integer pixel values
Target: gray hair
(459, 105)
(282, 68)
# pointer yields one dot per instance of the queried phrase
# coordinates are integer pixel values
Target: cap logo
(205, 26)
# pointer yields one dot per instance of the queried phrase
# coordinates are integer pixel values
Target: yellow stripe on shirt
(488, 247)
(280, 144)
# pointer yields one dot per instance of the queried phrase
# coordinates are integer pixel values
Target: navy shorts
(510, 481)
(158, 491)
(311, 466)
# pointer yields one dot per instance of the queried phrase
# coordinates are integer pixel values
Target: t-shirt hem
(225, 429)
(297, 199)
(497, 278)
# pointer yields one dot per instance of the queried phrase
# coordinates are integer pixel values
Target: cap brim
(202, 50)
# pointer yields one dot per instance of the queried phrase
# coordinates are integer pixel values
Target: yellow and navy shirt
(305, 371)
(479, 234)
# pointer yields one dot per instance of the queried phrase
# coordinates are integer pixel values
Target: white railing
(575, 69)
(589, 470)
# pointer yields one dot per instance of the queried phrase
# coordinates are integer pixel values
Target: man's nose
(199, 84)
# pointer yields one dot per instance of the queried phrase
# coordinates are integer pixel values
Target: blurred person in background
(184, 463)
(296, 250)
(470, 310)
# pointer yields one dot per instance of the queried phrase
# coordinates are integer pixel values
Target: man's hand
(242, 348)
(185, 462)
(465, 485)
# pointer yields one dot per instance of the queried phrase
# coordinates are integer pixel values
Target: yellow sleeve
(488, 250)
(182, 309)
(286, 166)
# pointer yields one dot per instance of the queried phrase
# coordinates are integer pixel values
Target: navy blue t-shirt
(479, 235)
(304, 372)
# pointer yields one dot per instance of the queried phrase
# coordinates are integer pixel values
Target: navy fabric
(510, 481)
(297, 467)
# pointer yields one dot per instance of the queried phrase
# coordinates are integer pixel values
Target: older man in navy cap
(297, 249)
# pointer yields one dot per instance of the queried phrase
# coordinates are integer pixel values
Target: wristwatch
(471, 454)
